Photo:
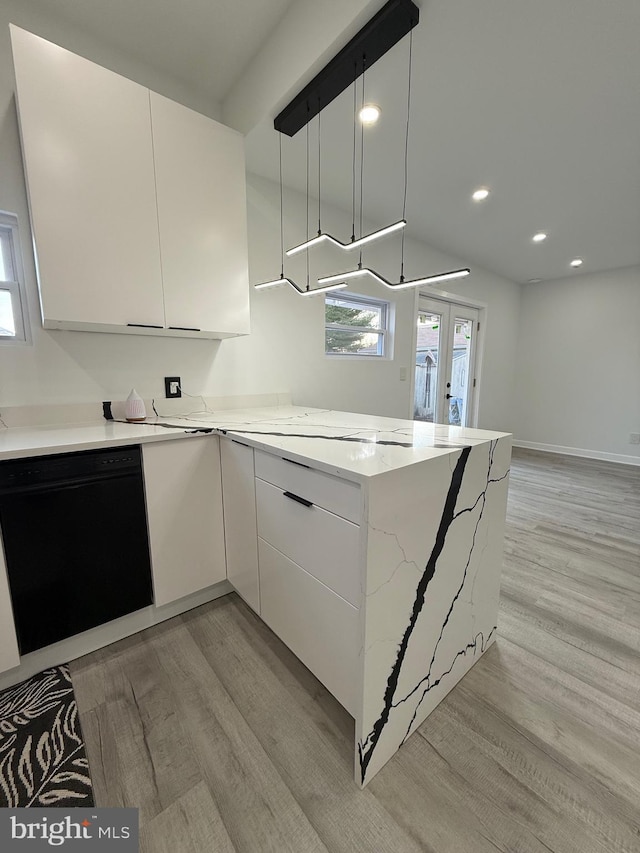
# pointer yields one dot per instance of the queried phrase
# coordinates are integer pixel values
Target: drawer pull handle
(293, 462)
(297, 498)
(144, 326)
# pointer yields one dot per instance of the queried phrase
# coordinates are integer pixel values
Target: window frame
(383, 332)
(15, 287)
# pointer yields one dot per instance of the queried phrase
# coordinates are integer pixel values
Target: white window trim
(383, 333)
(9, 222)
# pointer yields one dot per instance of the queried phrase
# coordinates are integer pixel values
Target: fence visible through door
(445, 362)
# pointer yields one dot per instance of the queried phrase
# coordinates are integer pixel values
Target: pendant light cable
(406, 154)
(364, 61)
(353, 165)
(319, 166)
(281, 213)
(307, 197)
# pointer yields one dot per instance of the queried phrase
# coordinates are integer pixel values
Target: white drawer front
(318, 626)
(339, 496)
(324, 544)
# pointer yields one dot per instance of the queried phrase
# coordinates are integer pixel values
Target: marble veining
(451, 604)
(368, 745)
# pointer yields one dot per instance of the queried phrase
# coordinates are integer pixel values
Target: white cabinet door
(200, 181)
(318, 626)
(241, 538)
(86, 141)
(9, 654)
(184, 511)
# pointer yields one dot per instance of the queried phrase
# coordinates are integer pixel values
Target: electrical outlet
(172, 387)
(634, 438)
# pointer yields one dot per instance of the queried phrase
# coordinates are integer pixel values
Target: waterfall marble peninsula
(379, 554)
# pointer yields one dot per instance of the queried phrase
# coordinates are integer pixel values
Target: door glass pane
(6, 261)
(7, 321)
(427, 358)
(459, 391)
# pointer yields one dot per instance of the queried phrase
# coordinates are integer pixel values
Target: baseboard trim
(620, 458)
(96, 638)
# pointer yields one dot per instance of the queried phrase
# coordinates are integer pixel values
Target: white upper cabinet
(86, 140)
(138, 204)
(200, 183)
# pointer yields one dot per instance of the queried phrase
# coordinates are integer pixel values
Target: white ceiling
(205, 44)
(540, 101)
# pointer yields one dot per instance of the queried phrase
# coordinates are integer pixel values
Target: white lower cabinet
(324, 544)
(320, 627)
(9, 654)
(309, 557)
(241, 538)
(183, 490)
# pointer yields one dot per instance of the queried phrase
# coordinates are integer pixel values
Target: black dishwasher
(74, 529)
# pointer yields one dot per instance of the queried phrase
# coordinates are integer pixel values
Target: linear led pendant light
(367, 271)
(322, 237)
(285, 279)
(414, 282)
(380, 34)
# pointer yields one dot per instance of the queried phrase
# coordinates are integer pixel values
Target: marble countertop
(353, 446)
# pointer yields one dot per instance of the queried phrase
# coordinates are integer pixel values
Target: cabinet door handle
(297, 498)
(145, 326)
(184, 329)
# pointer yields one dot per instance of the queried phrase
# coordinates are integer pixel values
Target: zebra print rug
(42, 755)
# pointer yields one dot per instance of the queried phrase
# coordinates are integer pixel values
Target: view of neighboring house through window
(356, 325)
(12, 317)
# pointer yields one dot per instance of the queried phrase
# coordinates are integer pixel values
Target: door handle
(449, 396)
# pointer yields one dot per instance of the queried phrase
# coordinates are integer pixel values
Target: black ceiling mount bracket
(379, 35)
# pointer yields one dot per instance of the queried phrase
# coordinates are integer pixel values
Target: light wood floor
(227, 743)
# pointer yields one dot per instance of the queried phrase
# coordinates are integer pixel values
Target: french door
(445, 362)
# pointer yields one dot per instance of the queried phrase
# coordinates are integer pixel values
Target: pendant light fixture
(414, 282)
(323, 237)
(367, 271)
(285, 279)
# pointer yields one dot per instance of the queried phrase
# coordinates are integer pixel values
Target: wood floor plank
(190, 825)
(319, 776)
(560, 803)
(225, 741)
(258, 810)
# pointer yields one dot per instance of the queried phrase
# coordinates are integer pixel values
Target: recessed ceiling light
(534, 280)
(369, 114)
(576, 262)
(539, 237)
(480, 194)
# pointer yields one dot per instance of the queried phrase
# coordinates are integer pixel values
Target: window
(13, 325)
(355, 325)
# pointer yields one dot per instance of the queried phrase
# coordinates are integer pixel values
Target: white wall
(579, 363)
